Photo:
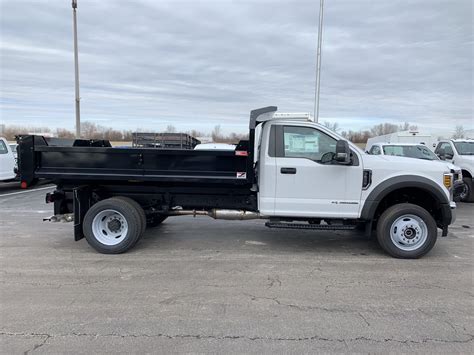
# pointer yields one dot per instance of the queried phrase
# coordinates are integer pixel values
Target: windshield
(3, 148)
(410, 151)
(464, 148)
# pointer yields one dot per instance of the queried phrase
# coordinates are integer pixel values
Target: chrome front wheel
(408, 232)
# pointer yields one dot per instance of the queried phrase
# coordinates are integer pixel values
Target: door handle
(288, 170)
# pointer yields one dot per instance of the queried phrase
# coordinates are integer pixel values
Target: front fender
(405, 181)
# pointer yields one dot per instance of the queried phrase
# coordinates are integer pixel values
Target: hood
(447, 163)
(467, 158)
(466, 162)
(391, 162)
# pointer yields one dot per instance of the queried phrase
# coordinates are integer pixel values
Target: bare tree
(195, 133)
(407, 127)
(127, 135)
(217, 134)
(383, 128)
(357, 137)
(10, 132)
(64, 133)
(88, 130)
(170, 129)
(459, 132)
(404, 127)
(333, 126)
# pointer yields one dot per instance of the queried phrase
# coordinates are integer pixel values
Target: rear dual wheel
(114, 225)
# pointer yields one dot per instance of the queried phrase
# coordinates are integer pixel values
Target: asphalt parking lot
(198, 285)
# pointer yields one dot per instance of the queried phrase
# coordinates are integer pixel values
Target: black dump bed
(96, 162)
(88, 162)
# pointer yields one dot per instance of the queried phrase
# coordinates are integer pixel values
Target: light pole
(318, 63)
(76, 70)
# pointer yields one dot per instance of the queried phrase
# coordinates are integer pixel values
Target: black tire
(131, 215)
(468, 194)
(390, 216)
(139, 209)
(155, 220)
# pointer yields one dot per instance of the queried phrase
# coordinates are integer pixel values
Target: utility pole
(76, 70)
(318, 63)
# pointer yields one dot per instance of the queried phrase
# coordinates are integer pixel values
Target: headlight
(448, 180)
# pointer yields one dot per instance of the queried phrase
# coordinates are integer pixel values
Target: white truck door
(308, 184)
(7, 161)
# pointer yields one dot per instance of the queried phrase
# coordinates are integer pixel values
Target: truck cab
(300, 175)
(461, 153)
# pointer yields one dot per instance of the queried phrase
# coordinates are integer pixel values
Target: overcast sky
(194, 64)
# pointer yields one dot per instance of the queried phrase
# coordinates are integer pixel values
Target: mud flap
(445, 231)
(81, 204)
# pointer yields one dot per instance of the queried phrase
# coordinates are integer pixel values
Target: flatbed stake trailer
(291, 171)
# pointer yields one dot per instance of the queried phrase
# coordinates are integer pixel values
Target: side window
(306, 142)
(427, 153)
(375, 150)
(3, 148)
(393, 150)
(447, 148)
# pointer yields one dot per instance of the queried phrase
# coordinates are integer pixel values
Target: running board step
(324, 227)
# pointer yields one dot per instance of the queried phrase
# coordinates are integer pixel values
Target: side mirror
(442, 153)
(343, 152)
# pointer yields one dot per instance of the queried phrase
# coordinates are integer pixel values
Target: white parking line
(26, 191)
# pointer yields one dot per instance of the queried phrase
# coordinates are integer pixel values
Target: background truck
(7, 161)
(294, 173)
(164, 140)
(408, 150)
(461, 153)
(413, 137)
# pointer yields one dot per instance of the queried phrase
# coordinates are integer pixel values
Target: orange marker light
(448, 182)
